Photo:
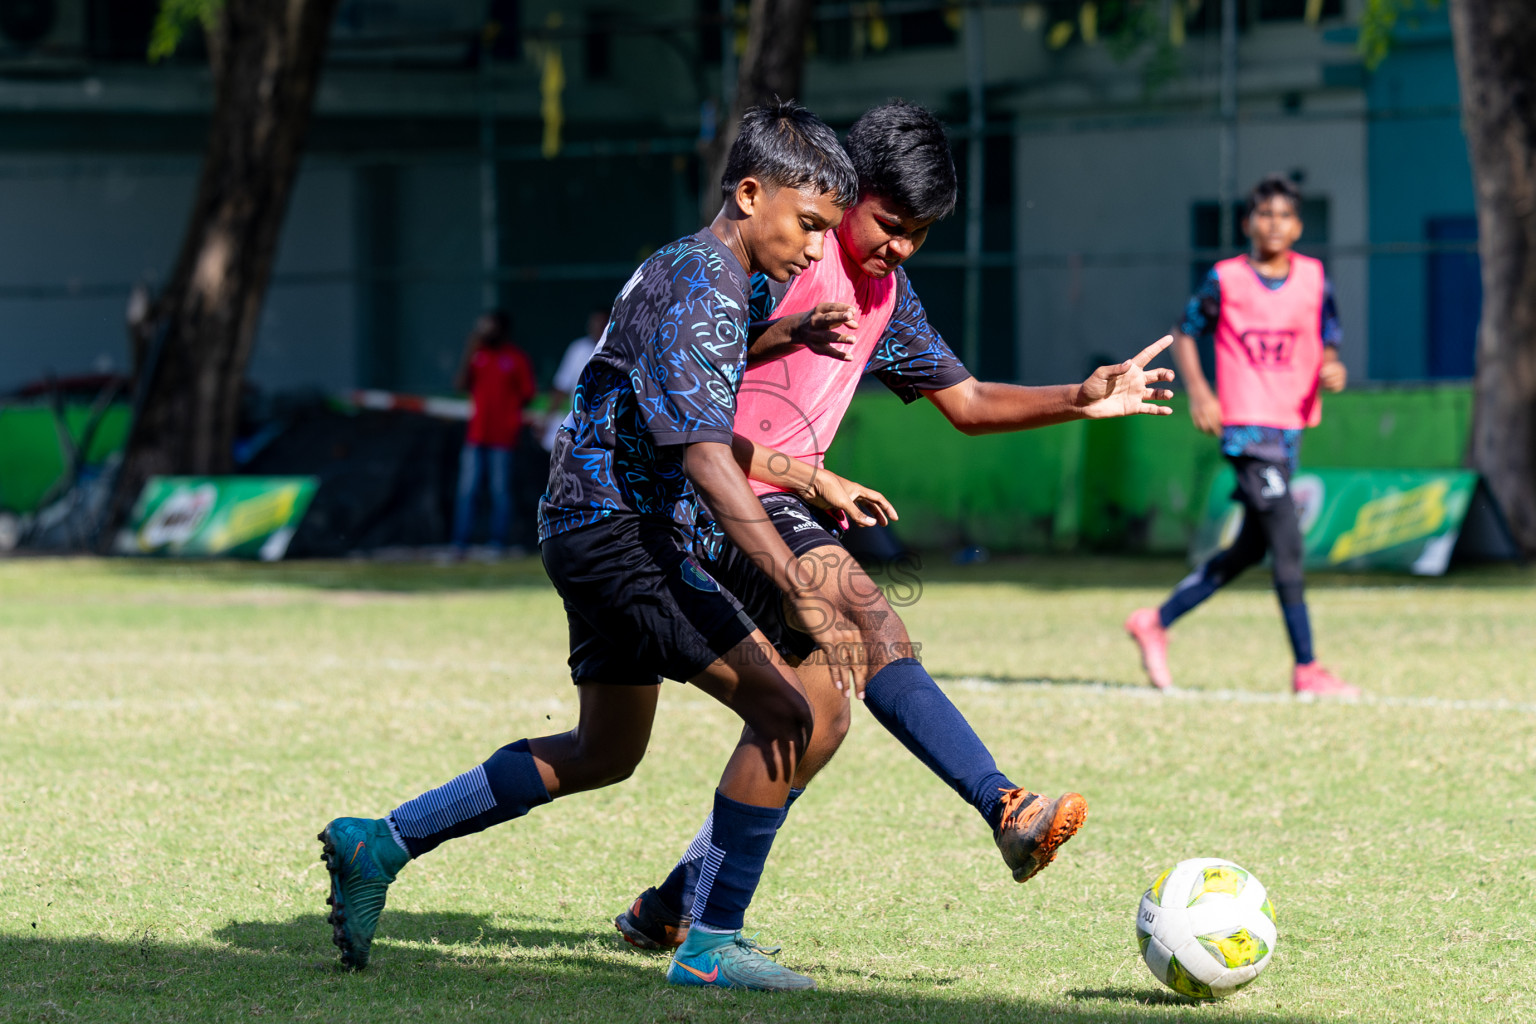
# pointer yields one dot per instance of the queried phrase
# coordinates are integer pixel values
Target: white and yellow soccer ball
(1206, 928)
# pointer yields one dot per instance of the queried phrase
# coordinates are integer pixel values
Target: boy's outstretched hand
(864, 506)
(815, 329)
(1126, 389)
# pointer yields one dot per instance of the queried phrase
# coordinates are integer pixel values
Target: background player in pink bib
(852, 314)
(1277, 339)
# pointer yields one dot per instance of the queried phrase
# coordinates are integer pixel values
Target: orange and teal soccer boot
(1146, 627)
(728, 960)
(362, 858)
(650, 924)
(1312, 680)
(1033, 828)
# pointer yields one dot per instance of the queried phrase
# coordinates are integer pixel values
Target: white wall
(79, 232)
(1085, 194)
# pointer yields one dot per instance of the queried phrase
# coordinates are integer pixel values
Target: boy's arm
(712, 468)
(1332, 375)
(1201, 314)
(1124, 389)
(1204, 408)
(819, 486)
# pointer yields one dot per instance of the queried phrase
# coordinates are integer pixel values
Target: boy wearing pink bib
(1277, 338)
(853, 314)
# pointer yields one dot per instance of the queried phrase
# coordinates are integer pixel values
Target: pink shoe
(1146, 628)
(1312, 680)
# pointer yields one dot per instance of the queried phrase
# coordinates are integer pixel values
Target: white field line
(1107, 689)
(972, 683)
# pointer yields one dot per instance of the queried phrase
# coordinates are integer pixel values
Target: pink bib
(1269, 345)
(795, 403)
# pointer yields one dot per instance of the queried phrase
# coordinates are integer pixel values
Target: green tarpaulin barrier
(1407, 520)
(1135, 484)
(225, 516)
(32, 456)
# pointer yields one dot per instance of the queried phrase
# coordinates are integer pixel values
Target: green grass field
(172, 737)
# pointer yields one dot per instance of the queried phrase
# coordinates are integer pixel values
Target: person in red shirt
(499, 379)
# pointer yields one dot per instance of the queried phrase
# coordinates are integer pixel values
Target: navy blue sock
(904, 698)
(677, 891)
(1189, 592)
(733, 864)
(1299, 626)
(506, 786)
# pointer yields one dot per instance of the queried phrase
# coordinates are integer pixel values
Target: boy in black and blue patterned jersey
(793, 398)
(650, 431)
(1277, 340)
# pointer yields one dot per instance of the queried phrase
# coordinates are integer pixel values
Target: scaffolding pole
(1227, 169)
(975, 183)
(490, 234)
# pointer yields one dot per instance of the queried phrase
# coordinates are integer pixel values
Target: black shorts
(1261, 484)
(803, 529)
(639, 607)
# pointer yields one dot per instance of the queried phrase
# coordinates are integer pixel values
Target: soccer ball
(1206, 928)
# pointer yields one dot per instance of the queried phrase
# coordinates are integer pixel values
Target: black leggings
(1274, 528)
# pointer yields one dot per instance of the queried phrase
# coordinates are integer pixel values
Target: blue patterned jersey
(910, 357)
(664, 376)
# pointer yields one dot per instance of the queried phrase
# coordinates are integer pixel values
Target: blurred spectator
(499, 379)
(571, 364)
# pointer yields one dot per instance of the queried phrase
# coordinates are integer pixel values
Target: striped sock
(506, 786)
(733, 864)
(677, 891)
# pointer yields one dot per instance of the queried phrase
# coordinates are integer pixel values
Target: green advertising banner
(1407, 520)
(217, 516)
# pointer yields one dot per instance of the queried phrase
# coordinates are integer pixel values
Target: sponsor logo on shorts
(1274, 483)
(698, 579)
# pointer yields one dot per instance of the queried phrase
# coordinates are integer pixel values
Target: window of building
(710, 39)
(597, 46)
(853, 31)
(119, 29)
(1455, 296)
(1205, 15)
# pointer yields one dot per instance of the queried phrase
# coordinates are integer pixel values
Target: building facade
(433, 184)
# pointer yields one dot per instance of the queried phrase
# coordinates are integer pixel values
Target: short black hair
(1273, 185)
(901, 152)
(786, 146)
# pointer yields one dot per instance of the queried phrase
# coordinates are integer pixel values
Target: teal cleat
(362, 858)
(727, 960)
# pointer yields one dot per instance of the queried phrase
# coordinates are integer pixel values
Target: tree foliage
(1379, 19)
(174, 19)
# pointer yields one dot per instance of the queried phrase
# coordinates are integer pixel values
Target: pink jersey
(795, 403)
(1269, 346)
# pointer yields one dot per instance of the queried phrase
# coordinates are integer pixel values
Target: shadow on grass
(298, 936)
(387, 577)
(1139, 996)
(464, 967)
(1006, 680)
(1116, 572)
(1034, 572)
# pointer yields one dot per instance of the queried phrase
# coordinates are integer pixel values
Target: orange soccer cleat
(1033, 829)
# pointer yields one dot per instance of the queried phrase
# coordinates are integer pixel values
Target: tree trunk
(195, 343)
(1496, 62)
(772, 66)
